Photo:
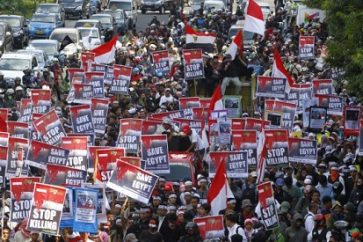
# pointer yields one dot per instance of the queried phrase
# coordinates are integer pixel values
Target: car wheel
(143, 11)
(162, 10)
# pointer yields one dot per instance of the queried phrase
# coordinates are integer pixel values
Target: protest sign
(85, 210)
(81, 118)
(197, 125)
(46, 209)
(97, 80)
(41, 100)
(67, 212)
(129, 135)
(224, 131)
(246, 140)
(284, 111)
(236, 163)
(40, 154)
(75, 72)
(154, 153)
(121, 79)
(161, 61)
(193, 64)
(187, 113)
(302, 151)
(298, 93)
(132, 181)
(150, 127)
(17, 150)
(90, 137)
(333, 103)
(64, 176)
(21, 190)
(276, 142)
(25, 110)
(18, 129)
(205, 102)
(273, 87)
(307, 47)
(3, 119)
(217, 114)
(267, 205)
(171, 114)
(4, 139)
(256, 124)
(210, 227)
(98, 67)
(108, 75)
(99, 109)
(87, 58)
(92, 156)
(105, 163)
(238, 123)
(317, 117)
(3, 163)
(135, 161)
(233, 105)
(83, 93)
(189, 102)
(351, 120)
(77, 146)
(323, 86)
(102, 201)
(50, 128)
(200, 114)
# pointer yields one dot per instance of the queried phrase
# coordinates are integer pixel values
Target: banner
(129, 135)
(268, 209)
(21, 190)
(50, 128)
(307, 47)
(85, 209)
(46, 209)
(96, 79)
(189, 102)
(17, 151)
(333, 103)
(105, 163)
(246, 140)
(273, 87)
(132, 181)
(87, 58)
(150, 127)
(3, 119)
(161, 61)
(323, 86)
(351, 120)
(18, 129)
(81, 118)
(210, 227)
(25, 110)
(280, 113)
(233, 105)
(303, 151)
(236, 163)
(64, 176)
(297, 94)
(277, 147)
(83, 93)
(41, 100)
(154, 153)
(193, 64)
(40, 154)
(121, 79)
(99, 109)
(77, 146)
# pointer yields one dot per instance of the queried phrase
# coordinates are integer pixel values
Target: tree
(345, 23)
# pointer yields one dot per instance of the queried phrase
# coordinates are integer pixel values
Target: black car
(6, 37)
(122, 22)
(76, 8)
(19, 29)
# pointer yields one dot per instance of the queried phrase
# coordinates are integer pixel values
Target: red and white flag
(278, 69)
(196, 37)
(105, 53)
(261, 157)
(254, 19)
(216, 102)
(237, 44)
(219, 190)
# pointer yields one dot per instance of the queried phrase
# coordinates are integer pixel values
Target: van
(128, 5)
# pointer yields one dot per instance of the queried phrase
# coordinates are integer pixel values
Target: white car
(41, 56)
(12, 65)
(213, 6)
(265, 7)
(50, 47)
(60, 34)
(91, 37)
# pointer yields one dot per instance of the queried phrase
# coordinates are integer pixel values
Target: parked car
(130, 7)
(213, 6)
(50, 47)
(153, 5)
(60, 35)
(53, 8)
(108, 24)
(12, 65)
(196, 6)
(41, 25)
(88, 23)
(76, 8)
(6, 37)
(19, 29)
(121, 20)
(248, 37)
(40, 55)
(91, 37)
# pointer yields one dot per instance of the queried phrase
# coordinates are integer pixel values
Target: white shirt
(233, 230)
(309, 222)
(310, 235)
(165, 99)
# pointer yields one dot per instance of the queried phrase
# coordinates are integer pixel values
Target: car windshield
(13, 22)
(121, 5)
(38, 55)
(43, 19)
(48, 48)
(102, 19)
(61, 35)
(85, 24)
(115, 14)
(14, 64)
(70, 1)
(93, 33)
(48, 9)
(248, 35)
(178, 172)
(214, 6)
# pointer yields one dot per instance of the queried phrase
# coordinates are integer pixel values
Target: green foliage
(345, 23)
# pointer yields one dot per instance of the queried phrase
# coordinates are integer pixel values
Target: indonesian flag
(261, 157)
(278, 69)
(236, 44)
(219, 190)
(196, 37)
(254, 19)
(105, 54)
(216, 102)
